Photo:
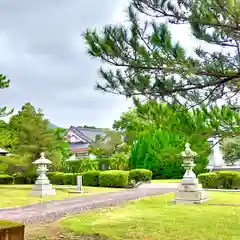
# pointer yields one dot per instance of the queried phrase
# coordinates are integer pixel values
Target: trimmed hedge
(110, 178)
(236, 182)
(222, 179)
(140, 175)
(91, 178)
(60, 178)
(113, 178)
(227, 179)
(31, 178)
(19, 179)
(209, 180)
(6, 179)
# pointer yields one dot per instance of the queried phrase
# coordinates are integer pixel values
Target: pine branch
(147, 63)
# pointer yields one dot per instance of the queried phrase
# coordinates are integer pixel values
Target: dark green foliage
(149, 64)
(4, 83)
(69, 178)
(104, 163)
(51, 174)
(19, 179)
(33, 135)
(140, 175)
(6, 179)
(236, 182)
(91, 178)
(31, 178)
(60, 178)
(222, 179)
(113, 178)
(82, 165)
(57, 178)
(25, 178)
(227, 178)
(159, 151)
(231, 150)
(209, 180)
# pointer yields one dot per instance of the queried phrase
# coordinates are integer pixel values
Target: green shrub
(91, 178)
(19, 179)
(6, 179)
(70, 178)
(60, 178)
(140, 175)
(222, 179)
(227, 178)
(57, 178)
(236, 182)
(31, 178)
(113, 178)
(74, 178)
(82, 165)
(209, 180)
(51, 175)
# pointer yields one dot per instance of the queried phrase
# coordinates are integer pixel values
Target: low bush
(113, 178)
(51, 175)
(91, 178)
(6, 179)
(227, 178)
(209, 180)
(19, 179)
(70, 178)
(222, 179)
(57, 178)
(236, 182)
(140, 175)
(60, 178)
(31, 178)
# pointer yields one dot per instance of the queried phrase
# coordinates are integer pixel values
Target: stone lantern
(189, 190)
(188, 163)
(42, 186)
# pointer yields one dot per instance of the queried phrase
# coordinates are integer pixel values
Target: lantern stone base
(42, 190)
(190, 194)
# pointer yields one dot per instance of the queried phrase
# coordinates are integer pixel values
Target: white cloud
(44, 55)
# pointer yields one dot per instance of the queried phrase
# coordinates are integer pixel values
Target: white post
(79, 183)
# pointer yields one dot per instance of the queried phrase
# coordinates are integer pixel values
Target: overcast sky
(43, 54)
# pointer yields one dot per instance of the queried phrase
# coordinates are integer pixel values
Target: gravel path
(51, 211)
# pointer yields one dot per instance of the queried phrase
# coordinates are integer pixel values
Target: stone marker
(189, 191)
(79, 185)
(42, 186)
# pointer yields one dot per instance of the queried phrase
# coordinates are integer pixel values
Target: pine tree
(195, 123)
(4, 83)
(147, 63)
(34, 135)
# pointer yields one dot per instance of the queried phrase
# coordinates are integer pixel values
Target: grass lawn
(157, 218)
(18, 195)
(166, 180)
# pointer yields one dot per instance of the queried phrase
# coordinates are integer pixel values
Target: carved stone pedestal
(190, 194)
(42, 190)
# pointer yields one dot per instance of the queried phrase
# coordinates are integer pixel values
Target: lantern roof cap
(42, 160)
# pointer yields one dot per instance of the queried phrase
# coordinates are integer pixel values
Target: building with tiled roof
(80, 138)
